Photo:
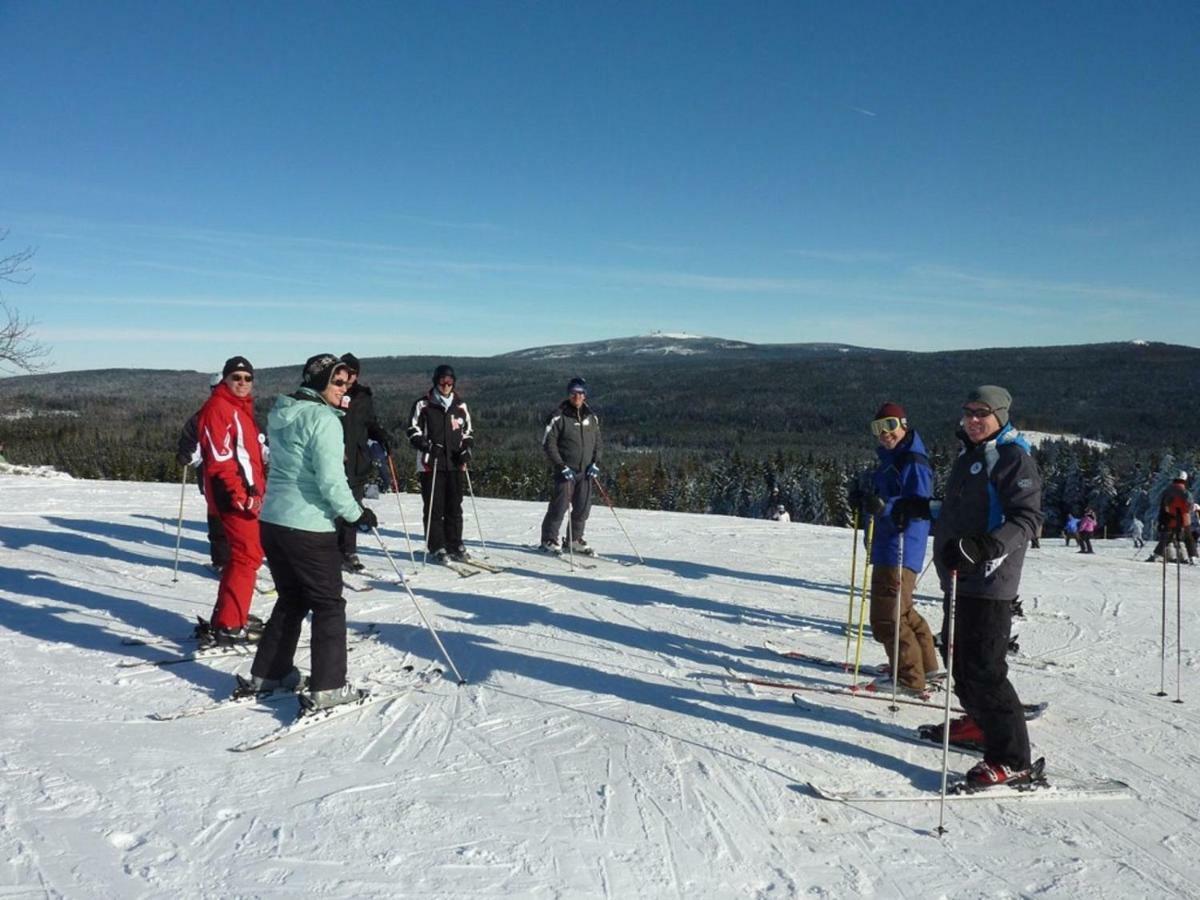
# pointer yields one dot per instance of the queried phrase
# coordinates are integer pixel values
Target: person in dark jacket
(902, 485)
(359, 426)
(991, 509)
(571, 441)
(188, 454)
(1174, 519)
(439, 428)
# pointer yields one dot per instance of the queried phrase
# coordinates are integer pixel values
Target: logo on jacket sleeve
(976, 468)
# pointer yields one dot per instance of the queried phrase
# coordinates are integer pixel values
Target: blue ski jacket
(903, 472)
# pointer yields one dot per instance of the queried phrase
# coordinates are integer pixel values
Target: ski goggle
(887, 423)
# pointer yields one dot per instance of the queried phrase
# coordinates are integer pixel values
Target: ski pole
(475, 511)
(1162, 652)
(570, 486)
(179, 526)
(853, 578)
(941, 829)
(896, 624)
(604, 494)
(862, 596)
(429, 519)
(403, 523)
(1178, 617)
(917, 584)
(433, 631)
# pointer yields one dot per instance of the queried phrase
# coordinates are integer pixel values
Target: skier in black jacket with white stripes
(439, 428)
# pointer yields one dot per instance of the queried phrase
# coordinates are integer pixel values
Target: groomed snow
(596, 752)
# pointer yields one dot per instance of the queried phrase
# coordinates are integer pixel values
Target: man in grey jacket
(992, 508)
(571, 442)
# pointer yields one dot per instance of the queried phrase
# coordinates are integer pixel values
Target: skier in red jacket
(234, 482)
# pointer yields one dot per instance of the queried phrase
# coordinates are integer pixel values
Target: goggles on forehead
(887, 423)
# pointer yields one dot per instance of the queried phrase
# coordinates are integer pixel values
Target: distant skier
(231, 447)
(308, 495)
(992, 508)
(1071, 528)
(439, 428)
(780, 514)
(188, 454)
(902, 484)
(1087, 527)
(360, 426)
(1174, 516)
(1137, 531)
(571, 441)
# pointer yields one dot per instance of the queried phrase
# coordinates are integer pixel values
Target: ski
(1032, 710)
(480, 564)
(311, 720)
(824, 662)
(560, 556)
(359, 583)
(232, 702)
(198, 654)
(1061, 788)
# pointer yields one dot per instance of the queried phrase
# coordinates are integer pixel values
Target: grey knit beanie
(996, 397)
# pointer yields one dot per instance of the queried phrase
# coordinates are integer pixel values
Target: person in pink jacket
(1087, 525)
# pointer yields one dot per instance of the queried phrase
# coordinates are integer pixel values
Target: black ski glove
(873, 504)
(905, 509)
(367, 521)
(968, 555)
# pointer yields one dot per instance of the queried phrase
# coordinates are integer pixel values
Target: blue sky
(454, 178)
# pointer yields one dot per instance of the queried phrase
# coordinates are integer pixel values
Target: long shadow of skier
(479, 657)
(56, 623)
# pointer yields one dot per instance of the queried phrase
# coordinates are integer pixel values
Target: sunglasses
(887, 423)
(975, 412)
(241, 379)
(339, 382)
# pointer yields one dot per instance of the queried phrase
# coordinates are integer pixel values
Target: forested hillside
(708, 430)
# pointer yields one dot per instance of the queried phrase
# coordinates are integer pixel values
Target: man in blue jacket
(902, 484)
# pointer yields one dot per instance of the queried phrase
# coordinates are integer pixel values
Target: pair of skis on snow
(304, 720)
(1040, 785)
(180, 653)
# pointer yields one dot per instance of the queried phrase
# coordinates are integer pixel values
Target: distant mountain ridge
(662, 343)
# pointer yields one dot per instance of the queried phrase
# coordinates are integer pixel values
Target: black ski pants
(446, 526)
(307, 568)
(218, 544)
(1178, 538)
(982, 629)
(348, 534)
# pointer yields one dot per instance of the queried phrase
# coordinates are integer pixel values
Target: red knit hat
(892, 409)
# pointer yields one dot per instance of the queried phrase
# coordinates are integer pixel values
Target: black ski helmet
(442, 371)
(577, 385)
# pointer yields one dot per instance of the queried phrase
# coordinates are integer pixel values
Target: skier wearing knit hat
(902, 485)
(992, 507)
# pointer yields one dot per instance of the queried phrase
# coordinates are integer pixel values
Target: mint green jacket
(306, 486)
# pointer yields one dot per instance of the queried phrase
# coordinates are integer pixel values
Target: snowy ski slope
(598, 750)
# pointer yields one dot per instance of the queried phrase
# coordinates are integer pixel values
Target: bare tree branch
(19, 351)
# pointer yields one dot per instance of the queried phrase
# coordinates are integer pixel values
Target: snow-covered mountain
(599, 748)
(662, 343)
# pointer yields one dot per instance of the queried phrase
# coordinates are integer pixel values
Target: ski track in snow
(595, 751)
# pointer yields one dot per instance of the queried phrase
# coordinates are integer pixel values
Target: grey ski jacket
(994, 488)
(572, 437)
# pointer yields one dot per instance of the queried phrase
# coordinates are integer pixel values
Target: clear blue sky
(467, 178)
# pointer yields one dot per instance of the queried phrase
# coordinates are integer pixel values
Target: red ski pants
(237, 578)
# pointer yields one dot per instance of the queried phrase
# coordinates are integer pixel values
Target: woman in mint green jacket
(306, 495)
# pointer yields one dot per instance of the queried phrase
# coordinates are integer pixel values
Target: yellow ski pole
(853, 578)
(862, 605)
